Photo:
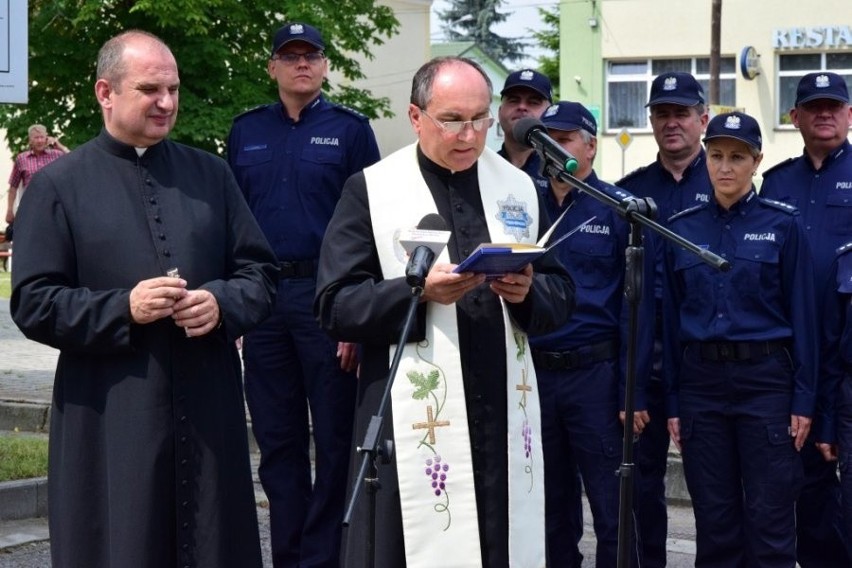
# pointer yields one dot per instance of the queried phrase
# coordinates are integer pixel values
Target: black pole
(633, 285)
(371, 448)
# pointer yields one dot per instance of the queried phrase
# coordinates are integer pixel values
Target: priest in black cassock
(140, 261)
(464, 408)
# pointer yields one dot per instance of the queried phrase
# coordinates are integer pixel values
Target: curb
(23, 499)
(24, 416)
(27, 498)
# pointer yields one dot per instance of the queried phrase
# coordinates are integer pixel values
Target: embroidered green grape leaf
(424, 384)
(519, 343)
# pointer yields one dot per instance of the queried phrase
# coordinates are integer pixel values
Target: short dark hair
(421, 85)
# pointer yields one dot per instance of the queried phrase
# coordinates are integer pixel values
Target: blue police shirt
(671, 197)
(837, 344)
(532, 167)
(824, 200)
(594, 257)
(292, 173)
(767, 295)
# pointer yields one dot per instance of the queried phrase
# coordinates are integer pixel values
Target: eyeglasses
(457, 126)
(311, 58)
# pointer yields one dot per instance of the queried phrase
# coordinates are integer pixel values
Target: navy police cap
(676, 88)
(297, 32)
(821, 85)
(737, 125)
(568, 116)
(530, 79)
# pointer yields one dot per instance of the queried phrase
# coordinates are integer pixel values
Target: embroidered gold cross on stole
(430, 424)
(524, 387)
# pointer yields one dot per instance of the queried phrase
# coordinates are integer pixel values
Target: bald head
(451, 111)
(112, 65)
(137, 88)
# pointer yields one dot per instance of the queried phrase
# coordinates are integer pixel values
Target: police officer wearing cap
(291, 158)
(676, 180)
(833, 424)
(526, 93)
(740, 357)
(578, 366)
(819, 183)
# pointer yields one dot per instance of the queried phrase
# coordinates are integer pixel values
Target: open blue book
(496, 259)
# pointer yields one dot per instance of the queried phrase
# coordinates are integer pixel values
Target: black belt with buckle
(580, 357)
(738, 350)
(297, 268)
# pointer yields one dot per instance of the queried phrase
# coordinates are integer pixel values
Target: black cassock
(149, 460)
(355, 304)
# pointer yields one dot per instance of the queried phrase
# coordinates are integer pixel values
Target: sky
(523, 16)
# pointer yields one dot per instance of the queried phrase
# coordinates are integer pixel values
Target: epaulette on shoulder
(843, 249)
(686, 212)
(780, 205)
(250, 111)
(631, 175)
(779, 166)
(350, 111)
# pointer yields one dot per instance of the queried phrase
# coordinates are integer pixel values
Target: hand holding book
(496, 259)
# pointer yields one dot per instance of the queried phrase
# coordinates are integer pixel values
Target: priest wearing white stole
(465, 486)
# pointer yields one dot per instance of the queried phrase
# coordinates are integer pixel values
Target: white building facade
(611, 50)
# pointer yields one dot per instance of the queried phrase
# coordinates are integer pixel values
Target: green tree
(221, 46)
(548, 39)
(474, 18)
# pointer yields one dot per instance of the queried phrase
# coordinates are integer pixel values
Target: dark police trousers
(581, 437)
(291, 364)
(741, 467)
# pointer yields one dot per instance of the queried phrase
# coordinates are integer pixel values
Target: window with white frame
(628, 85)
(793, 66)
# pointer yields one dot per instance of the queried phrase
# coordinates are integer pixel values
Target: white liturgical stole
(432, 442)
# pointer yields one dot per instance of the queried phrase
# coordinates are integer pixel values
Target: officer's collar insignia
(732, 122)
(822, 82)
(514, 217)
(670, 84)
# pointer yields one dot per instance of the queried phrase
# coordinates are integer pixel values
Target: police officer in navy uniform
(526, 94)
(676, 180)
(819, 183)
(291, 159)
(740, 357)
(578, 366)
(833, 422)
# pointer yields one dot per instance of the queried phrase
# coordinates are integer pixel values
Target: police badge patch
(513, 214)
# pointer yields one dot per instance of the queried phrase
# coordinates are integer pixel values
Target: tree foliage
(474, 18)
(221, 46)
(548, 40)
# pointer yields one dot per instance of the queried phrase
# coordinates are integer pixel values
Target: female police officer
(741, 351)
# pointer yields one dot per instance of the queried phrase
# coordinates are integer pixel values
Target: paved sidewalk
(26, 367)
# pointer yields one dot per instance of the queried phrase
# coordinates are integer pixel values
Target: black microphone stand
(372, 448)
(638, 212)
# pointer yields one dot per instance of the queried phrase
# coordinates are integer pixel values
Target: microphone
(533, 133)
(429, 239)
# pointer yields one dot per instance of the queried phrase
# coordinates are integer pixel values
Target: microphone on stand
(424, 244)
(533, 133)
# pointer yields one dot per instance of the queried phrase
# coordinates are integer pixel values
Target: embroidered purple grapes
(437, 472)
